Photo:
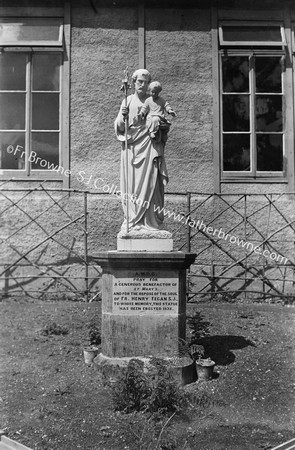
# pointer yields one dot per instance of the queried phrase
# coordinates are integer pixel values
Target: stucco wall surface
(178, 46)
(178, 54)
(102, 46)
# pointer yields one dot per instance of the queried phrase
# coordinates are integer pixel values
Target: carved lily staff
(124, 88)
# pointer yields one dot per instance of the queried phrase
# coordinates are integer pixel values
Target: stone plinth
(143, 245)
(140, 241)
(143, 302)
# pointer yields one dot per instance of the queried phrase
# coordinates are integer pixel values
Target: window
(31, 98)
(252, 102)
(252, 33)
(31, 31)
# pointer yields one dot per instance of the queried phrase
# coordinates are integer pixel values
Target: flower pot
(205, 369)
(89, 354)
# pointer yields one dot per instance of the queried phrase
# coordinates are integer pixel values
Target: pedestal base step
(183, 369)
(145, 245)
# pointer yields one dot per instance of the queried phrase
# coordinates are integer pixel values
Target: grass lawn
(50, 399)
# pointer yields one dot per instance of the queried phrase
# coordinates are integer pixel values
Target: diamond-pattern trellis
(224, 268)
(44, 244)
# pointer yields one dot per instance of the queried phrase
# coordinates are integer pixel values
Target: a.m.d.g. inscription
(145, 292)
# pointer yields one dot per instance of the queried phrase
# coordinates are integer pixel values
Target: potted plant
(90, 353)
(92, 350)
(205, 369)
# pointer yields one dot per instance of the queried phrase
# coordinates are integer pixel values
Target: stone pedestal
(143, 303)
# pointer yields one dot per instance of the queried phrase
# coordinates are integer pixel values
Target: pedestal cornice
(147, 260)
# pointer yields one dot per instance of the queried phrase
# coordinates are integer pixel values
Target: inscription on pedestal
(145, 292)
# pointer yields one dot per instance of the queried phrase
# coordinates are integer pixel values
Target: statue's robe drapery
(146, 167)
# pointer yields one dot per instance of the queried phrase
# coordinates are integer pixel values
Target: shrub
(132, 389)
(166, 395)
(94, 333)
(55, 329)
(199, 327)
(156, 392)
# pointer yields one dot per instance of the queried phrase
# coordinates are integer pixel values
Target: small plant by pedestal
(94, 336)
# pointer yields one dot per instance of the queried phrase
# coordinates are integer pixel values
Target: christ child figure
(154, 108)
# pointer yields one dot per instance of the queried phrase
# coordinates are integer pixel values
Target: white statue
(154, 108)
(143, 168)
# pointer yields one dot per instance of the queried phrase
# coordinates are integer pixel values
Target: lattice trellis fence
(248, 250)
(46, 243)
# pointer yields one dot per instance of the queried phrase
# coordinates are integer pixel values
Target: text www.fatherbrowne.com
(220, 234)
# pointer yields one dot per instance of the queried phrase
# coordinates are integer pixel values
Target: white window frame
(61, 46)
(248, 24)
(253, 172)
(259, 47)
(57, 42)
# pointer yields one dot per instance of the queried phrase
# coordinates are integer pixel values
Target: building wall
(178, 50)
(178, 54)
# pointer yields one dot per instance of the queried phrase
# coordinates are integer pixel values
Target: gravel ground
(50, 399)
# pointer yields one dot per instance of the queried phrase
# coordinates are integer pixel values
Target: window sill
(255, 180)
(31, 178)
